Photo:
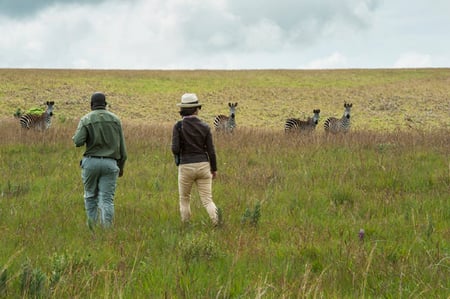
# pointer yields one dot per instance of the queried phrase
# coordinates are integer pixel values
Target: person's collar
(190, 116)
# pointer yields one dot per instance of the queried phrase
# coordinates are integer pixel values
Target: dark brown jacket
(193, 142)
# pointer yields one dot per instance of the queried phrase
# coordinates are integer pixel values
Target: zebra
(38, 121)
(297, 125)
(226, 123)
(335, 125)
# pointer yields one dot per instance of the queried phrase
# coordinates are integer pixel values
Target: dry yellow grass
(382, 99)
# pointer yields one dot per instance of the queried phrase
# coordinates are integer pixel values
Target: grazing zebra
(38, 121)
(226, 123)
(297, 125)
(335, 125)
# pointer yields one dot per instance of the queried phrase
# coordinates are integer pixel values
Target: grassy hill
(293, 205)
(382, 99)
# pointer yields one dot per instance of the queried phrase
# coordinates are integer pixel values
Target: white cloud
(413, 60)
(335, 60)
(264, 35)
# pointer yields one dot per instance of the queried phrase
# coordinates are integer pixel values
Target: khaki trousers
(200, 174)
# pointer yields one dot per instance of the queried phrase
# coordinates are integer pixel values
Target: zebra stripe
(39, 122)
(226, 123)
(339, 125)
(297, 125)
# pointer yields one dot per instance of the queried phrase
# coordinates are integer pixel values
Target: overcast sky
(224, 34)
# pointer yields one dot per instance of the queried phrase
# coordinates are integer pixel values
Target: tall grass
(292, 209)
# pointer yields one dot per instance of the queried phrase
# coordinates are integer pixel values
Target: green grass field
(293, 205)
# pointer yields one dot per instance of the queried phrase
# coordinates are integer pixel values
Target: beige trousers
(200, 174)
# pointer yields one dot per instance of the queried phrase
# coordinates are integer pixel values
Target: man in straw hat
(192, 142)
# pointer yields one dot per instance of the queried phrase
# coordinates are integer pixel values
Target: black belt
(99, 157)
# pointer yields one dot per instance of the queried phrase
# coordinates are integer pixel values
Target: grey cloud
(209, 27)
(25, 8)
(299, 22)
(292, 13)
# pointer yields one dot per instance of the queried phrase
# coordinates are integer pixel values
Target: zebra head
(232, 109)
(348, 107)
(316, 116)
(49, 110)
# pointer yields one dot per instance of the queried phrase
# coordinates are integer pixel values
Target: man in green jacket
(103, 161)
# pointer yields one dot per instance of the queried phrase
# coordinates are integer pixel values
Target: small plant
(252, 217)
(35, 111)
(59, 266)
(247, 214)
(198, 247)
(32, 281)
(65, 266)
(18, 113)
(219, 212)
(62, 118)
(341, 197)
(256, 215)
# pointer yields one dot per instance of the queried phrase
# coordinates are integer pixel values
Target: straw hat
(189, 100)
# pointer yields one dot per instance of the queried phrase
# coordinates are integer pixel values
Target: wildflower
(361, 234)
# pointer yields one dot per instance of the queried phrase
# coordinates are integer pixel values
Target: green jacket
(102, 133)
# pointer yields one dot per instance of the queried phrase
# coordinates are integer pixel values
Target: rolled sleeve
(80, 135)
